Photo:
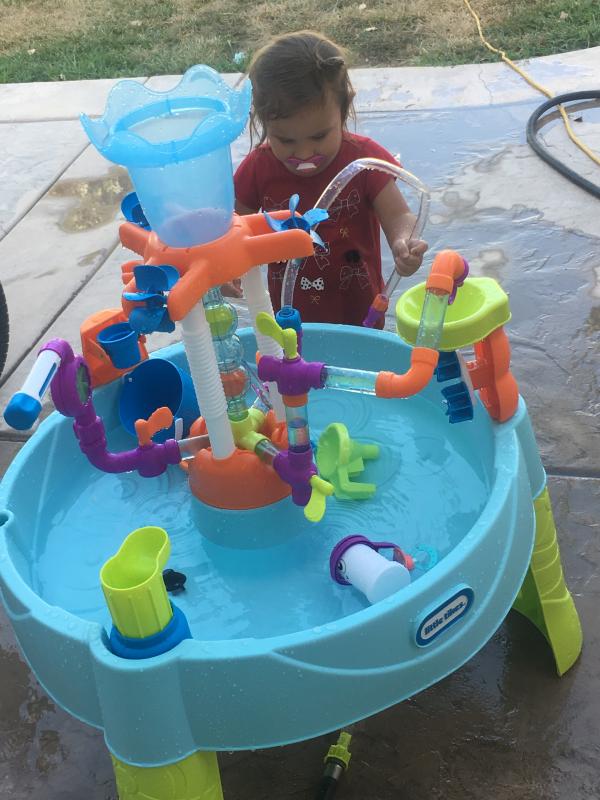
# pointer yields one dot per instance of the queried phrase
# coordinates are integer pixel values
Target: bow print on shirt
(318, 284)
(269, 204)
(350, 202)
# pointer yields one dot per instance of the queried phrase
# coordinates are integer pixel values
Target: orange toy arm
(133, 237)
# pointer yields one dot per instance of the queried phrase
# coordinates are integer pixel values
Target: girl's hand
(232, 289)
(408, 255)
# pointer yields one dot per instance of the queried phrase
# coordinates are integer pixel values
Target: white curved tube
(331, 192)
(258, 299)
(197, 340)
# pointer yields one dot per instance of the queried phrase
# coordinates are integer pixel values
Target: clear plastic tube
(297, 428)
(266, 451)
(189, 448)
(349, 380)
(331, 192)
(432, 320)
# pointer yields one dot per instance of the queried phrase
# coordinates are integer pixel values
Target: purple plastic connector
(459, 282)
(293, 376)
(373, 318)
(296, 469)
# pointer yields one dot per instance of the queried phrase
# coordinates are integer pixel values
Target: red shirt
(339, 283)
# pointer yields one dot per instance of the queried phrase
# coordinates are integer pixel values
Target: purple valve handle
(72, 396)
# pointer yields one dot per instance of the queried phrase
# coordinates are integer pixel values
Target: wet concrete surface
(504, 726)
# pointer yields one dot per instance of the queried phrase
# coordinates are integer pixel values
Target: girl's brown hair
(296, 70)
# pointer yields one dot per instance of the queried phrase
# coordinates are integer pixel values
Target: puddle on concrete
(94, 201)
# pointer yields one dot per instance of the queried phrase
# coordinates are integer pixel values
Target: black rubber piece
(538, 147)
(4, 329)
(174, 581)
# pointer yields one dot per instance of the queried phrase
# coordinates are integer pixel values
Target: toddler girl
(302, 97)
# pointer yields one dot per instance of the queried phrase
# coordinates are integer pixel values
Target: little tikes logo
(445, 615)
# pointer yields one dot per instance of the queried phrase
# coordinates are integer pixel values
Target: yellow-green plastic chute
(133, 585)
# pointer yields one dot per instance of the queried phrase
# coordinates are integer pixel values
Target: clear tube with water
(349, 380)
(189, 448)
(297, 428)
(331, 192)
(432, 320)
(266, 451)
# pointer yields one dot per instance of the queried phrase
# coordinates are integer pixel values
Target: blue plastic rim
(120, 341)
(153, 384)
(279, 652)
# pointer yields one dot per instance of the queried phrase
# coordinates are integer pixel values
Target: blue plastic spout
(175, 145)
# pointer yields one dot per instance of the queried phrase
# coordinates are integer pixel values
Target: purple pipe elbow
(150, 460)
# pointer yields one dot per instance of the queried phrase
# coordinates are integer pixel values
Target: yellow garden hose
(572, 135)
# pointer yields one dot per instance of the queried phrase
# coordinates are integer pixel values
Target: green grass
(535, 28)
(72, 39)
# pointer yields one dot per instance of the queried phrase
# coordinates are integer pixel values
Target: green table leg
(193, 778)
(544, 597)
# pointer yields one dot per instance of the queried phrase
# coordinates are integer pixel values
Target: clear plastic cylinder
(190, 202)
(350, 380)
(189, 448)
(266, 451)
(297, 428)
(432, 320)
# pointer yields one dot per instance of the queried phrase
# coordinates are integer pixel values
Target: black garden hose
(533, 126)
(3, 329)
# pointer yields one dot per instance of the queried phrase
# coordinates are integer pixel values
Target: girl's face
(307, 142)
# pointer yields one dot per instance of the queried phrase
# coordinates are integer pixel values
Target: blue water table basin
(270, 629)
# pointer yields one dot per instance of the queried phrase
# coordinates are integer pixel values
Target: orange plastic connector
(294, 400)
(249, 241)
(380, 303)
(490, 373)
(99, 364)
(448, 266)
(423, 361)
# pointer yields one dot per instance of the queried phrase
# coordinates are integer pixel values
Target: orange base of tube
(241, 481)
(238, 483)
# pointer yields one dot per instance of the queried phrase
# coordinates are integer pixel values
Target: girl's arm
(398, 223)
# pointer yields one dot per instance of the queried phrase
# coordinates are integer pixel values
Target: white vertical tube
(258, 299)
(197, 340)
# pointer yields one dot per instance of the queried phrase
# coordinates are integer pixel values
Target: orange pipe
(448, 266)
(423, 361)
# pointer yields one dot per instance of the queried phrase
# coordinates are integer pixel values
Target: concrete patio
(503, 726)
